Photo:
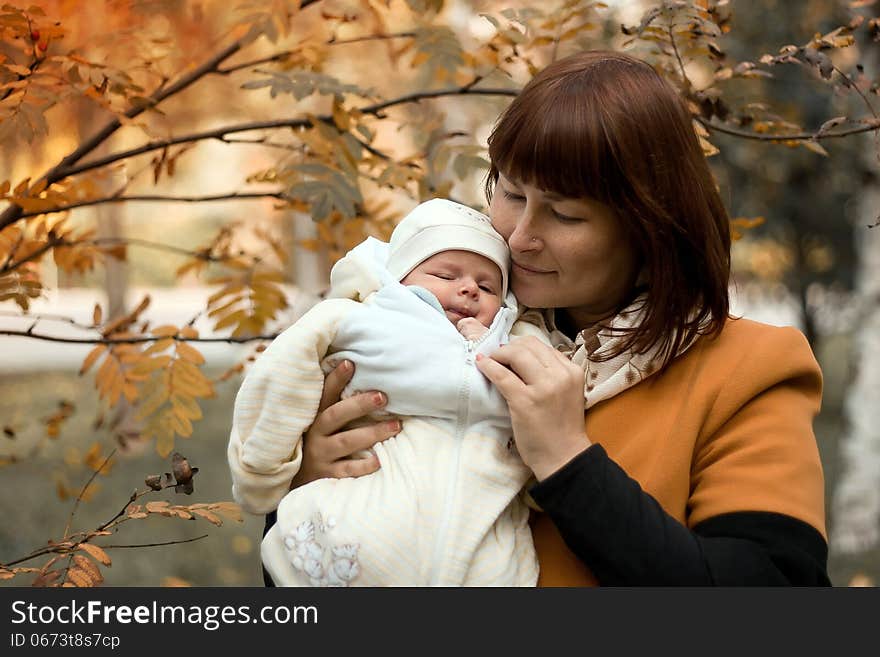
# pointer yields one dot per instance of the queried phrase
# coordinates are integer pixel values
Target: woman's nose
(523, 238)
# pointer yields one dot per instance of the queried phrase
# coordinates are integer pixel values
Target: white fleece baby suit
(444, 509)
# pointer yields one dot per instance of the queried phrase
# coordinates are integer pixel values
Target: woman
(672, 445)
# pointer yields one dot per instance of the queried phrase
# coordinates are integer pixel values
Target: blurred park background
(234, 180)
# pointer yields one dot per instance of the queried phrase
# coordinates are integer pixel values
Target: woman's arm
(626, 538)
(620, 532)
(279, 402)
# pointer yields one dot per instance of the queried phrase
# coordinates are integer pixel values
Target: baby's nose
(469, 286)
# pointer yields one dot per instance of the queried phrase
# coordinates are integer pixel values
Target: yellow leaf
(189, 353)
(188, 332)
(165, 330)
(708, 148)
(114, 391)
(129, 391)
(21, 187)
(220, 310)
(107, 374)
(194, 385)
(230, 319)
(94, 354)
(147, 365)
(238, 263)
(38, 187)
(268, 275)
(155, 507)
(232, 288)
(229, 509)
(194, 265)
(92, 457)
(80, 578)
(816, 147)
(181, 425)
(341, 117)
(165, 442)
(152, 402)
(186, 406)
(88, 566)
(96, 553)
(158, 346)
(207, 515)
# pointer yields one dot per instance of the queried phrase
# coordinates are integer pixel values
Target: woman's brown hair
(606, 126)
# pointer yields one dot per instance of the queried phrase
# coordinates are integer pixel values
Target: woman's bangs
(554, 145)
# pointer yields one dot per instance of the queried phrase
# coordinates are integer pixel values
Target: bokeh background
(811, 261)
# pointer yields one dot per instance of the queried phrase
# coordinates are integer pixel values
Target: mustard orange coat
(727, 427)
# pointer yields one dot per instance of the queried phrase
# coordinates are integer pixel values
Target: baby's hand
(470, 328)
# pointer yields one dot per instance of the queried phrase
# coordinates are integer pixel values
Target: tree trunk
(855, 518)
(110, 219)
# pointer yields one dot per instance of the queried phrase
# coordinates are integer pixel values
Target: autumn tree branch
(13, 213)
(371, 37)
(281, 56)
(134, 340)
(234, 196)
(49, 318)
(221, 132)
(84, 489)
(71, 543)
(59, 242)
(139, 545)
(870, 126)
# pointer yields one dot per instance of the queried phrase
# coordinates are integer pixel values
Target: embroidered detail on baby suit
(324, 563)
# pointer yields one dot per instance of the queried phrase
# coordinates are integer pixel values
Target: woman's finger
(337, 415)
(346, 443)
(530, 360)
(327, 455)
(354, 467)
(508, 383)
(335, 383)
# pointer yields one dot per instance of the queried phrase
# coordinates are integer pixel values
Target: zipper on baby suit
(464, 393)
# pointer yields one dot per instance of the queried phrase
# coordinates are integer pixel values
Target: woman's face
(566, 253)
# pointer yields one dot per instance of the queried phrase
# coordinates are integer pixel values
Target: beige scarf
(603, 380)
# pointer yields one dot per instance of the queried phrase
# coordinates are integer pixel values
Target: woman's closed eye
(566, 218)
(511, 196)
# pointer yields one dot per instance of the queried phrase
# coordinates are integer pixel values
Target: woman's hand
(545, 394)
(327, 451)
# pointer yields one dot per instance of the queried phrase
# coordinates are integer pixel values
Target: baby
(445, 508)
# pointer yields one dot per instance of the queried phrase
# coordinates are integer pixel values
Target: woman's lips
(529, 271)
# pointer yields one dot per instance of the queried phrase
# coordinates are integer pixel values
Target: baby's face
(466, 284)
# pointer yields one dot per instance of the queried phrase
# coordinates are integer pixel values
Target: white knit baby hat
(443, 225)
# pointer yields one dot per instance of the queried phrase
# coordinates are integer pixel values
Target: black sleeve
(271, 518)
(626, 538)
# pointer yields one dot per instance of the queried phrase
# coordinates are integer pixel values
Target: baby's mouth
(463, 312)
